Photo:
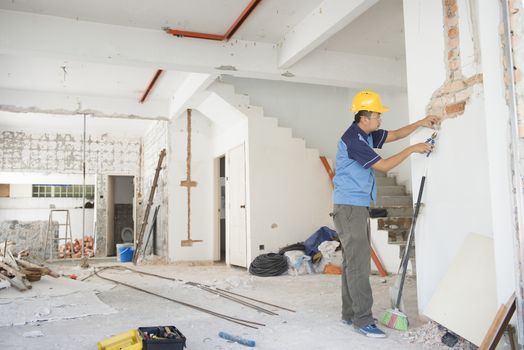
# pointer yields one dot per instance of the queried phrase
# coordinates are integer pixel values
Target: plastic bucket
(124, 252)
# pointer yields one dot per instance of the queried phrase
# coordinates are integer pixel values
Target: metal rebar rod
(232, 298)
(258, 301)
(242, 322)
(203, 287)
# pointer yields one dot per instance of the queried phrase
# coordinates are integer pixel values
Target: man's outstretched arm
(429, 122)
(385, 165)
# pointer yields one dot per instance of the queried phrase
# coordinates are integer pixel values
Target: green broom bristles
(395, 319)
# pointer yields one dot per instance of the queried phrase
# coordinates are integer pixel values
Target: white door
(236, 196)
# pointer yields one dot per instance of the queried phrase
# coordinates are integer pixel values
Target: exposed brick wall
(62, 154)
(451, 98)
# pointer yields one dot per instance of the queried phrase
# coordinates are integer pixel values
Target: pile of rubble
(74, 249)
(434, 335)
(17, 271)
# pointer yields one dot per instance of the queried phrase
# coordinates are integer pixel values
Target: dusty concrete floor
(315, 324)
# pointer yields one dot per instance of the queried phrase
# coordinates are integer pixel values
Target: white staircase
(289, 190)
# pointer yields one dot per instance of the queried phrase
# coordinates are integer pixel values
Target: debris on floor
(74, 249)
(436, 336)
(17, 271)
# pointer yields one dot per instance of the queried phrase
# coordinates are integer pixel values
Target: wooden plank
(11, 270)
(499, 324)
(45, 270)
(5, 190)
(15, 282)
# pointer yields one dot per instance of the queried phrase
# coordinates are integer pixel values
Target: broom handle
(410, 238)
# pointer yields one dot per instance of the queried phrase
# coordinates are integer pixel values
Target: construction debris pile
(434, 335)
(74, 250)
(17, 271)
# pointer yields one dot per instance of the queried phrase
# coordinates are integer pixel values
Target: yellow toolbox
(129, 340)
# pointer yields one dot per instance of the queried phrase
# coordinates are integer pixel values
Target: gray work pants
(351, 223)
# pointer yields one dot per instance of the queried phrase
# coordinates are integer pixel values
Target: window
(63, 191)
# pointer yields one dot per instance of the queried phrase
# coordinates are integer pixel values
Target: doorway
(120, 212)
(222, 209)
(236, 206)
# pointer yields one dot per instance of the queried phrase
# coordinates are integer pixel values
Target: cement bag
(329, 255)
(298, 263)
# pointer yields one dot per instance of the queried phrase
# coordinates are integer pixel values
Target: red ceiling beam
(151, 84)
(232, 29)
(240, 19)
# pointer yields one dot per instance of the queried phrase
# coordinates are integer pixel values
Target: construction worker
(355, 188)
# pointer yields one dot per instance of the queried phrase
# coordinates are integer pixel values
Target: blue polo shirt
(354, 178)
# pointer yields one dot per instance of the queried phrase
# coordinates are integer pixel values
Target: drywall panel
(465, 300)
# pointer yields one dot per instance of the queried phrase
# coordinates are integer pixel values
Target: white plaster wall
(457, 194)
(497, 133)
(37, 209)
(20, 191)
(290, 193)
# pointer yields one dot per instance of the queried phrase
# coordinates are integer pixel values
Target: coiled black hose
(296, 246)
(268, 265)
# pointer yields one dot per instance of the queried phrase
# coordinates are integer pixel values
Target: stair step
(398, 237)
(398, 210)
(299, 143)
(394, 223)
(391, 190)
(386, 181)
(401, 250)
(284, 132)
(271, 122)
(385, 201)
(380, 174)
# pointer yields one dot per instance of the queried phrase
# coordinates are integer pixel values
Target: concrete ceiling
(268, 23)
(86, 78)
(111, 49)
(377, 32)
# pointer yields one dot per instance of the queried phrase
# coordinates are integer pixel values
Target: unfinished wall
(61, 153)
(155, 139)
(466, 177)
(202, 204)
(517, 41)
(26, 234)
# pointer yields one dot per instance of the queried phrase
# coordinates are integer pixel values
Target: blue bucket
(124, 252)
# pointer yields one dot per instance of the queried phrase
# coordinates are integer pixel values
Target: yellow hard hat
(367, 100)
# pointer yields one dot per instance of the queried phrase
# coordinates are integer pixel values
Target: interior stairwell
(399, 206)
(289, 193)
(308, 172)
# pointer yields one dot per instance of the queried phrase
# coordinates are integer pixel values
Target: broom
(394, 318)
